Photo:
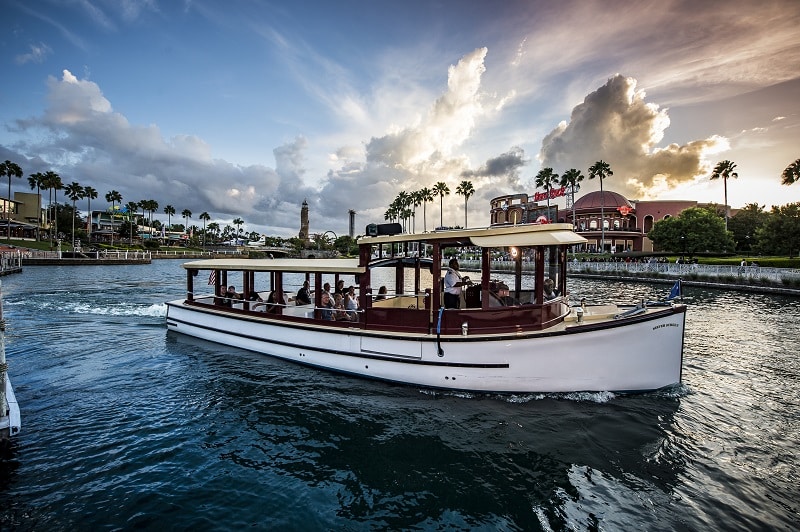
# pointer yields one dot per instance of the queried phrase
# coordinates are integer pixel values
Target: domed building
(607, 216)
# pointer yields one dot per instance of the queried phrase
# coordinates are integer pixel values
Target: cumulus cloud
(91, 143)
(616, 124)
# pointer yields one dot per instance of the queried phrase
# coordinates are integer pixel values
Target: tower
(352, 214)
(303, 235)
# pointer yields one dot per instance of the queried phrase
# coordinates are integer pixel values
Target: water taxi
(505, 329)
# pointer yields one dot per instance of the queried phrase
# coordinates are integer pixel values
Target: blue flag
(676, 290)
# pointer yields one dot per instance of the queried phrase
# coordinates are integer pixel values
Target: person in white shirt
(452, 285)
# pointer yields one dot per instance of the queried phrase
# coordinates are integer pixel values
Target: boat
(518, 342)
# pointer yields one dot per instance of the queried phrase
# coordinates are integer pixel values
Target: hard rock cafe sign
(554, 193)
(624, 210)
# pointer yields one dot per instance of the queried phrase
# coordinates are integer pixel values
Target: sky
(246, 108)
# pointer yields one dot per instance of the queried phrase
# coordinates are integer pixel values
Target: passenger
(340, 289)
(230, 295)
(303, 295)
(502, 296)
(255, 301)
(452, 285)
(339, 313)
(351, 304)
(327, 307)
(326, 287)
(272, 303)
(381, 293)
(550, 291)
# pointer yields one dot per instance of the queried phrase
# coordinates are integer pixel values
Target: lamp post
(683, 249)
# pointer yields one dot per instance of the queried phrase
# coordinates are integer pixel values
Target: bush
(152, 244)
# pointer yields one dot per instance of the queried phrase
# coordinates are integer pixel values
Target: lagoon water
(127, 426)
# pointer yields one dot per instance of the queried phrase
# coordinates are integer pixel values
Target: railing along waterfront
(666, 269)
(98, 255)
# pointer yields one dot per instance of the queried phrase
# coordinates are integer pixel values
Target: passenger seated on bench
(501, 296)
(550, 291)
(255, 301)
(351, 304)
(303, 295)
(339, 313)
(230, 295)
(327, 307)
(381, 293)
(272, 303)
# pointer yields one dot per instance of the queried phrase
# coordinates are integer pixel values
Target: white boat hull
(637, 354)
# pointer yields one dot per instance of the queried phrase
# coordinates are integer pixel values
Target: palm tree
(131, 207)
(54, 184)
(169, 210)
(465, 189)
(9, 169)
(113, 197)
(205, 217)
(441, 189)
(572, 178)
(186, 213)
(602, 170)
(425, 195)
(545, 179)
(213, 228)
(74, 191)
(416, 201)
(725, 169)
(90, 193)
(37, 181)
(791, 174)
(238, 222)
(403, 201)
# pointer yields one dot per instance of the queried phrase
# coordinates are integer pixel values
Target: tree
(169, 210)
(131, 209)
(572, 178)
(74, 191)
(744, 226)
(441, 189)
(426, 196)
(90, 194)
(238, 222)
(37, 181)
(602, 170)
(465, 189)
(791, 174)
(205, 217)
(54, 184)
(113, 197)
(724, 169)
(186, 213)
(9, 169)
(780, 234)
(416, 201)
(694, 230)
(545, 179)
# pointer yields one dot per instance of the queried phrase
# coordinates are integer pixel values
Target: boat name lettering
(665, 325)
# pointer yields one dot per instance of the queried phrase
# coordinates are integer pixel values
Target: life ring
(542, 220)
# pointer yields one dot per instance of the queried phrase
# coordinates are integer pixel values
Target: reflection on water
(125, 425)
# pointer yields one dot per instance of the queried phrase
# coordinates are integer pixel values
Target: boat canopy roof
(502, 236)
(341, 266)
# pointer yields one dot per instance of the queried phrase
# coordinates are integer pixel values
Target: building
(625, 223)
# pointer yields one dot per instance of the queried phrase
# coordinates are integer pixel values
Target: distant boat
(503, 338)
(10, 420)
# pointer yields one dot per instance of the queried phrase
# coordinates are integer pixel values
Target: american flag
(212, 277)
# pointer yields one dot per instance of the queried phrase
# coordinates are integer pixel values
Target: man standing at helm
(452, 285)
